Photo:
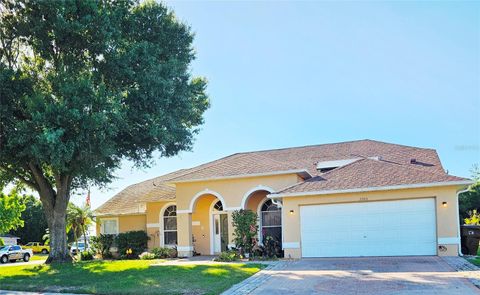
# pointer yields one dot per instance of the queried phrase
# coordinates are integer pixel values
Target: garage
(384, 228)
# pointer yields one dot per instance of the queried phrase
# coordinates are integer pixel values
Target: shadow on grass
(127, 277)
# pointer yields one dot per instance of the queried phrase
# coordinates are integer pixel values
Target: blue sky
(300, 73)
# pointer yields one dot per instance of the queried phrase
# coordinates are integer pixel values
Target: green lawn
(475, 261)
(126, 277)
(39, 257)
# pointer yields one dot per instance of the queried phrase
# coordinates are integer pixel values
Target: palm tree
(78, 220)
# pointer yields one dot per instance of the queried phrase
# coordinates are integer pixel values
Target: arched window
(271, 221)
(170, 225)
(218, 206)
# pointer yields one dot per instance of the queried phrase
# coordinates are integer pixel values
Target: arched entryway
(269, 213)
(209, 224)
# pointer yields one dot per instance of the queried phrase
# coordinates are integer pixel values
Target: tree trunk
(55, 207)
(58, 237)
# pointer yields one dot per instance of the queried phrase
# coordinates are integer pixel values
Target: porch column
(184, 234)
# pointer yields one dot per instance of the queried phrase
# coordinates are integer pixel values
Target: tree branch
(21, 177)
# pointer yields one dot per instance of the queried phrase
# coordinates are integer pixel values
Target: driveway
(373, 275)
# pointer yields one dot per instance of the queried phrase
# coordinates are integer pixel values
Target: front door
(220, 224)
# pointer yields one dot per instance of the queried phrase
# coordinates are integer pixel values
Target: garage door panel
(387, 228)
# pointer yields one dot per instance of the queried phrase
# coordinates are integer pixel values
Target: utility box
(470, 239)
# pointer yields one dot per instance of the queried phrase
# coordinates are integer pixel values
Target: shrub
(246, 228)
(132, 243)
(147, 256)
(228, 256)
(2, 243)
(164, 252)
(270, 250)
(86, 255)
(102, 244)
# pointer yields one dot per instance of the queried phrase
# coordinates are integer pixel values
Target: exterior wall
(447, 217)
(233, 193)
(126, 223)
(232, 190)
(255, 199)
(154, 224)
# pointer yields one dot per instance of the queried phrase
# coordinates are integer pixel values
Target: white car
(81, 248)
(13, 253)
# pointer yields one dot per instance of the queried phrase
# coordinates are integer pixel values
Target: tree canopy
(35, 223)
(11, 209)
(85, 85)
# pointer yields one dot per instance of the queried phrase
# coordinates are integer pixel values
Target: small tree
(11, 209)
(470, 200)
(78, 220)
(246, 230)
(34, 220)
(473, 218)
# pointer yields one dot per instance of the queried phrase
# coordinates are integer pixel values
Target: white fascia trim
(302, 172)
(449, 240)
(291, 245)
(370, 189)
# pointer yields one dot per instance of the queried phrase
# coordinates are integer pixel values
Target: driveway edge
(248, 285)
(461, 264)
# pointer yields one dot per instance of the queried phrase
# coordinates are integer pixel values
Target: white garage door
(391, 228)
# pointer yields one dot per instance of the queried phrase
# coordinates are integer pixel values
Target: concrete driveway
(373, 275)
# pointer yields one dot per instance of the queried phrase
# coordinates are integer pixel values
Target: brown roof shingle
(307, 157)
(394, 168)
(369, 173)
(131, 199)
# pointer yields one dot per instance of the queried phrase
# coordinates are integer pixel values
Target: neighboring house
(358, 198)
(9, 239)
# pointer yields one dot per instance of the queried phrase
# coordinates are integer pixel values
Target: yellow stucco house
(358, 198)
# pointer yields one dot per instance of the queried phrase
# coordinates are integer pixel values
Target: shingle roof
(369, 173)
(131, 199)
(308, 156)
(394, 168)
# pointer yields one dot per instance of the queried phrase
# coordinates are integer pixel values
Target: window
(170, 225)
(271, 221)
(16, 248)
(218, 206)
(109, 226)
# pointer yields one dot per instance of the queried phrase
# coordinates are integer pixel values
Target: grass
(125, 277)
(36, 257)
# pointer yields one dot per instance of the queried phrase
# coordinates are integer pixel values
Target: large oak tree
(85, 84)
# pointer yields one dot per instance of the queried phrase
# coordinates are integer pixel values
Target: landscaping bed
(126, 277)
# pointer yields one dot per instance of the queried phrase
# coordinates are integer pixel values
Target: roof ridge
(336, 143)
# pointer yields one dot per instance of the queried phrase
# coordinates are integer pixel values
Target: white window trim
(102, 226)
(161, 223)
(259, 214)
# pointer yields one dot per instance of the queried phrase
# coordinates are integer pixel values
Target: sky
(288, 74)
